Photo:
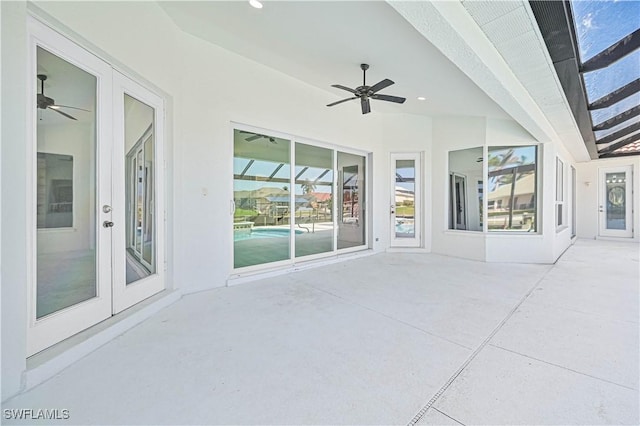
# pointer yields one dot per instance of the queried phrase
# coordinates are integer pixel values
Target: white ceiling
(324, 43)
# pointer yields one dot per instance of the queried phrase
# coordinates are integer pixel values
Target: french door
(80, 125)
(406, 187)
(615, 202)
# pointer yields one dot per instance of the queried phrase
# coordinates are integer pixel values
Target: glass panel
(314, 200)
(261, 222)
(405, 197)
(616, 200)
(465, 206)
(351, 187)
(66, 185)
(604, 81)
(140, 191)
(511, 197)
(599, 24)
(602, 133)
(600, 115)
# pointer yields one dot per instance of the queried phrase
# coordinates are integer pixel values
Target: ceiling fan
(45, 102)
(257, 136)
(365, 92)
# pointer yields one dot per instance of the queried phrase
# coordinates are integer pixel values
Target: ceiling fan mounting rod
(364, 68)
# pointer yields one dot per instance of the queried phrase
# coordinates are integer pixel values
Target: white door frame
(416, 241)
(59, 325)
(125, 295)
(627, 232)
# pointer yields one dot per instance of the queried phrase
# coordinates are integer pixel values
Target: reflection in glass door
(351, 200)
(405, 200)
(140, 226)
(138, 244)
(314, 198)
(615, 202)
(458, 207)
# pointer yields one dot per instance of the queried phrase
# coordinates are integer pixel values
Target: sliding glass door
(262, 199)
(284, 200)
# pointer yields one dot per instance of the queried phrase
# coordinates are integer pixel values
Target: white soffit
(323, 43)
(497, 44)
(523, 49)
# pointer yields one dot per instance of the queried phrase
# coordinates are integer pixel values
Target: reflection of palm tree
(308, 187)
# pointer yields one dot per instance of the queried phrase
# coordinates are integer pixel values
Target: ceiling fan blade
(366, 107)
(63, 113)
(381, 85)
(339, 86)
(253, 138)
(396, 99)
(344, 100)
(67, 106)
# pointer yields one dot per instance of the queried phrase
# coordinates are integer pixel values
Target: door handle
(393, 209)
(107, 224)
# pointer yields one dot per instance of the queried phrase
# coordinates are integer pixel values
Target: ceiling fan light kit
(365, 92)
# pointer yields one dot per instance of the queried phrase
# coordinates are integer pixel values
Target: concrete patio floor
(386, 339)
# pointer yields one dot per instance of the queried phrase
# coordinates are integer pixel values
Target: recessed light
(422, 98)
(256, 4)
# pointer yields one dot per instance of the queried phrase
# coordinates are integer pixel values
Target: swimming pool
(245, 234)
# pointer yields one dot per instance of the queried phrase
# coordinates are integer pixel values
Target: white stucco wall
(14, 196)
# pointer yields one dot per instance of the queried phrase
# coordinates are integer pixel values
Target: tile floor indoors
(386, 339)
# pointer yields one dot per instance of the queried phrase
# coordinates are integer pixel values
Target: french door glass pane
(351, 178)
(616, 200)
(140, 191)
(261, 185)
(66, 184)
(405, 197)
(314, 200)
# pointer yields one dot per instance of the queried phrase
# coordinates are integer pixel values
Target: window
(465, 198)
(559, 193)
(512, 174)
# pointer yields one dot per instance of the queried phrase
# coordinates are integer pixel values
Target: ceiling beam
(613, 53)
(616, 95)
(619, 134)
(622, 143)
(620, 118)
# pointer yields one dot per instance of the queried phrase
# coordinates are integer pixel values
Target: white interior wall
(75, 139)
(588, 189)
